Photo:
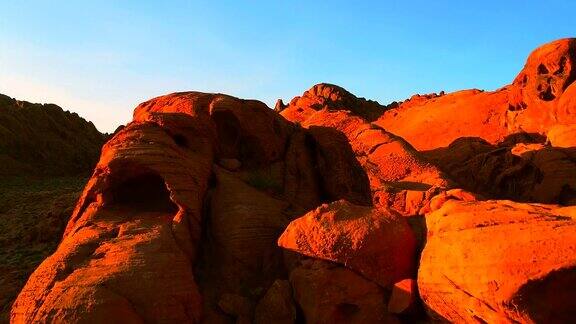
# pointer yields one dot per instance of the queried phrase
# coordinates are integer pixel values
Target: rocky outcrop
(535, 98)
(134, 224)
(499, 261)
(563, 136)
(209, 208)
(378, 244)
(333, 294)
(399, 177)
(197, 186)
(332, 97)
(522, 168)
(44, 140)
(541, 96)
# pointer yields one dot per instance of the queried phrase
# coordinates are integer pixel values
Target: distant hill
(43, 139)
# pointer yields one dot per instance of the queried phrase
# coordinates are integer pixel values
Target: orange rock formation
(331, 209)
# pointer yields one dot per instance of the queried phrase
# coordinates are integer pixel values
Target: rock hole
(180, 140)
(542, 69)
(518, 107)
(145, 192)
(547, 95)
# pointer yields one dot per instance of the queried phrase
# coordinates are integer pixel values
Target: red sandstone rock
(522, 171)
(500, 261)
(332, 97)
(437, 122)
(180, 220)
(247, 129)
(239, 254)
(148, 194)
(133, 227)
(302, 187)
(538, 88)
(540, 97)
(404, 296)
(399, 177)
(331, 294)
(241, 308)
(277, 306)
(341, 174)
(378, 244)
(453, 194)
(563, 135)
(557, 167)
(487, 169)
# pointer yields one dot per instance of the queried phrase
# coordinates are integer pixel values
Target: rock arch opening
(143, 192)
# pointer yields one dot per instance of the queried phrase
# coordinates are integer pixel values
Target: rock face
(133, 225)
(541, 96)
(540, 86)
(333, 294)
(277, 305)
(159, 206)
(404, 297)
(378, 244)
(44, 140)
(331, 209)
(332, 97)
(523, 171)
(400, 178)
(500, 261)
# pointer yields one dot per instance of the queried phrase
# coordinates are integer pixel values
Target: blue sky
(101, 58)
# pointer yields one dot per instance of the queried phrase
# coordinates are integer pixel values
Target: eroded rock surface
(540, 97)
(500, 261)
(400, 178)
(209, 208)
(329, 293)
(379, 244)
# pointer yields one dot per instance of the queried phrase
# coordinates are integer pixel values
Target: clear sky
(101, 58)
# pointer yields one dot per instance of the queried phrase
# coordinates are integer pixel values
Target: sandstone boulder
(328, 293)
(500, 261)
(563, 136)
(277, 305)
(520, 171)
(133, 227)
(538, 88)
(404, 297)
(379, 244)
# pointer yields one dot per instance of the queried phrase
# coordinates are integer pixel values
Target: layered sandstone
(331, 209)
(540, 97)
(500, 261)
